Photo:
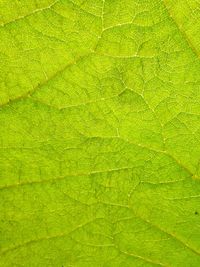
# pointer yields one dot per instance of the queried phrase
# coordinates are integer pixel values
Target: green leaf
(99, 133)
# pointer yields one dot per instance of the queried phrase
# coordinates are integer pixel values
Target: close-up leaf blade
(99, 133)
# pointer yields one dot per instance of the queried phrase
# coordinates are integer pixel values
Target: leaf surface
(99, 133)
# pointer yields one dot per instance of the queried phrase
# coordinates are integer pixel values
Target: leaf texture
(99, 133)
